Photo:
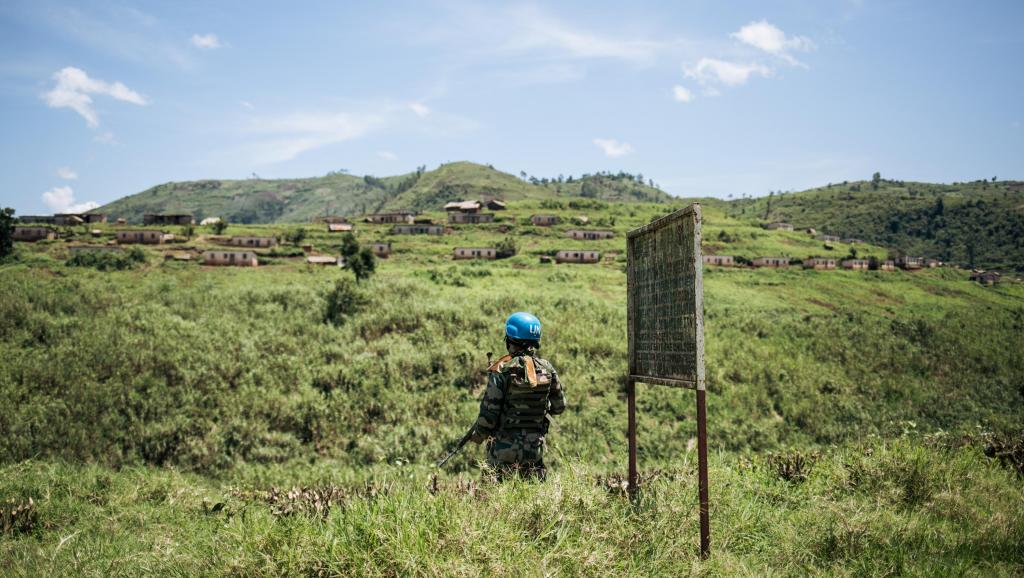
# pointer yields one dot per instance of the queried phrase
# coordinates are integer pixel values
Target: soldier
(522, 390)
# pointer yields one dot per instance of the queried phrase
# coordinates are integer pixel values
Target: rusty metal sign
(665, 307)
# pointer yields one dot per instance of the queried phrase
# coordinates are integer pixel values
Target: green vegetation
(159, 418)
(976, 224)
(6, 232)
(108, 260)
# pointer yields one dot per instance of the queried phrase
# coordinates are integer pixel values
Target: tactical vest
(526, 404)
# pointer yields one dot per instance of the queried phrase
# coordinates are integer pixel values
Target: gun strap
(531, 370)
(496, 366)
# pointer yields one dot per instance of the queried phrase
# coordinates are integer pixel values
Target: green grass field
(159, 416)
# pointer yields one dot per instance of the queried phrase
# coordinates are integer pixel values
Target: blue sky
(103, 99)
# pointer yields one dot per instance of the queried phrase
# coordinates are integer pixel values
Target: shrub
(343, 301)
(108, 260)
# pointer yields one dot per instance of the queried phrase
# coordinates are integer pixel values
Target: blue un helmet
(523, 326)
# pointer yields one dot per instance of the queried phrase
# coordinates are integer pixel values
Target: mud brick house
(819, 263)
(230, 258)
(470, 218)
(577, 256)
(777, 262)
(856, 264)
(475, 253)
(340, 227)
(255, 242)
(463, 206)
(144, 237)
(910, 263)
(589, 235)
(545, 220)
(418, 230)
(324, 260)
(779, 226)
(396, 217)
(168, 219)
(32, 234)
(382, 250)
(887, 266)
(985, 277)
(496, 205)
(720, 260)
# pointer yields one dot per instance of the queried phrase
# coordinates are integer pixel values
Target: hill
(181, 419)
(976, 224)
(301, 200)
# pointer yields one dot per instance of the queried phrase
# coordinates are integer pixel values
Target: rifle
(458, 446)
(465, 439)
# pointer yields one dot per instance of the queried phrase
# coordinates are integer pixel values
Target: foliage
(296, 236)
(363, 264)
(507, 248)
(108, 260)
(6, 232)
(342, 302)
(220, 225)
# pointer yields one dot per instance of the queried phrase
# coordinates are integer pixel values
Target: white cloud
(74, 87)
(105, 137)
(613, 148)
(765, 36)
(67, 173)
(682, 94)
(206, 41)
(387, 155)
(420, 109)
(62, 200)
(287, 137)
(727, 73)
(533, 28)
(247, 105)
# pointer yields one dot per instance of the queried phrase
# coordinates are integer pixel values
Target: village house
(577, 256)
(719, 260)
(853, 241)
(252, 241)
(32, 234)
(496, 205)
(778, 262)
(79, 218)
(779, 226)
(123, 221)
(168, 219)
(463, 206)
(475, 253)
(230, 258)
(470, 218)
(324, 260)
(396, 217)
(828, 238)
(544, 220)
(909, 263)
(856, 264)
(589, 235)
(95, 248)
(382, 250)
(38, 219)
(332, 219)
(418, 230)
(932, 263)
(887, 266)
(985, 277)
(340, 227)
(819, 263)
(145, 237)
(811, 231)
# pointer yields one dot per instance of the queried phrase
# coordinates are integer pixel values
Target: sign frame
(692, 272)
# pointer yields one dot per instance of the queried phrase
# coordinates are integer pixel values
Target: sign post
(665, 306)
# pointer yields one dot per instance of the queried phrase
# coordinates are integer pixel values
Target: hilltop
(301, 200)
(976, 224)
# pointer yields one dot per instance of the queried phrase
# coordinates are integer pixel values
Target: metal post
(631, 405)
(702, 474)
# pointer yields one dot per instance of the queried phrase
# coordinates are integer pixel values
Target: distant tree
(940, 207)
(522, 175)
(993, 179)
(349, 246)
(853, 252)
(768, 205)
(297, 236)
(507, 248)
(876, 179)
(363, 264)
(220, 225)
(6, 232)
(188, 230)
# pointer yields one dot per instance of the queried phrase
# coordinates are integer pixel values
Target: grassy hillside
(977, 224)
(301, 200)
(151, 413)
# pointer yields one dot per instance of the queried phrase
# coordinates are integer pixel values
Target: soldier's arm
(556, 395)
(490, 407)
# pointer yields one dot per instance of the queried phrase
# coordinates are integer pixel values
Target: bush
(343, 301)
(105, 260)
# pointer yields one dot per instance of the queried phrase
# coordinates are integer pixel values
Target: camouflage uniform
(522, 390)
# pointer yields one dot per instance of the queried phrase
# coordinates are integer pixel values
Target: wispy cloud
(286, 137)
(769, 38)
(613, 148)
(247, 105)
(62, 200)
(205, 41)
(387, 155)
(74, 87)
(532, 28)
(67, 173)
(682, 94)
(712, 70)
(420, 109)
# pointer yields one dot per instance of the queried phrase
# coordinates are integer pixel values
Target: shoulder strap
(531, 370)
(496, 366)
